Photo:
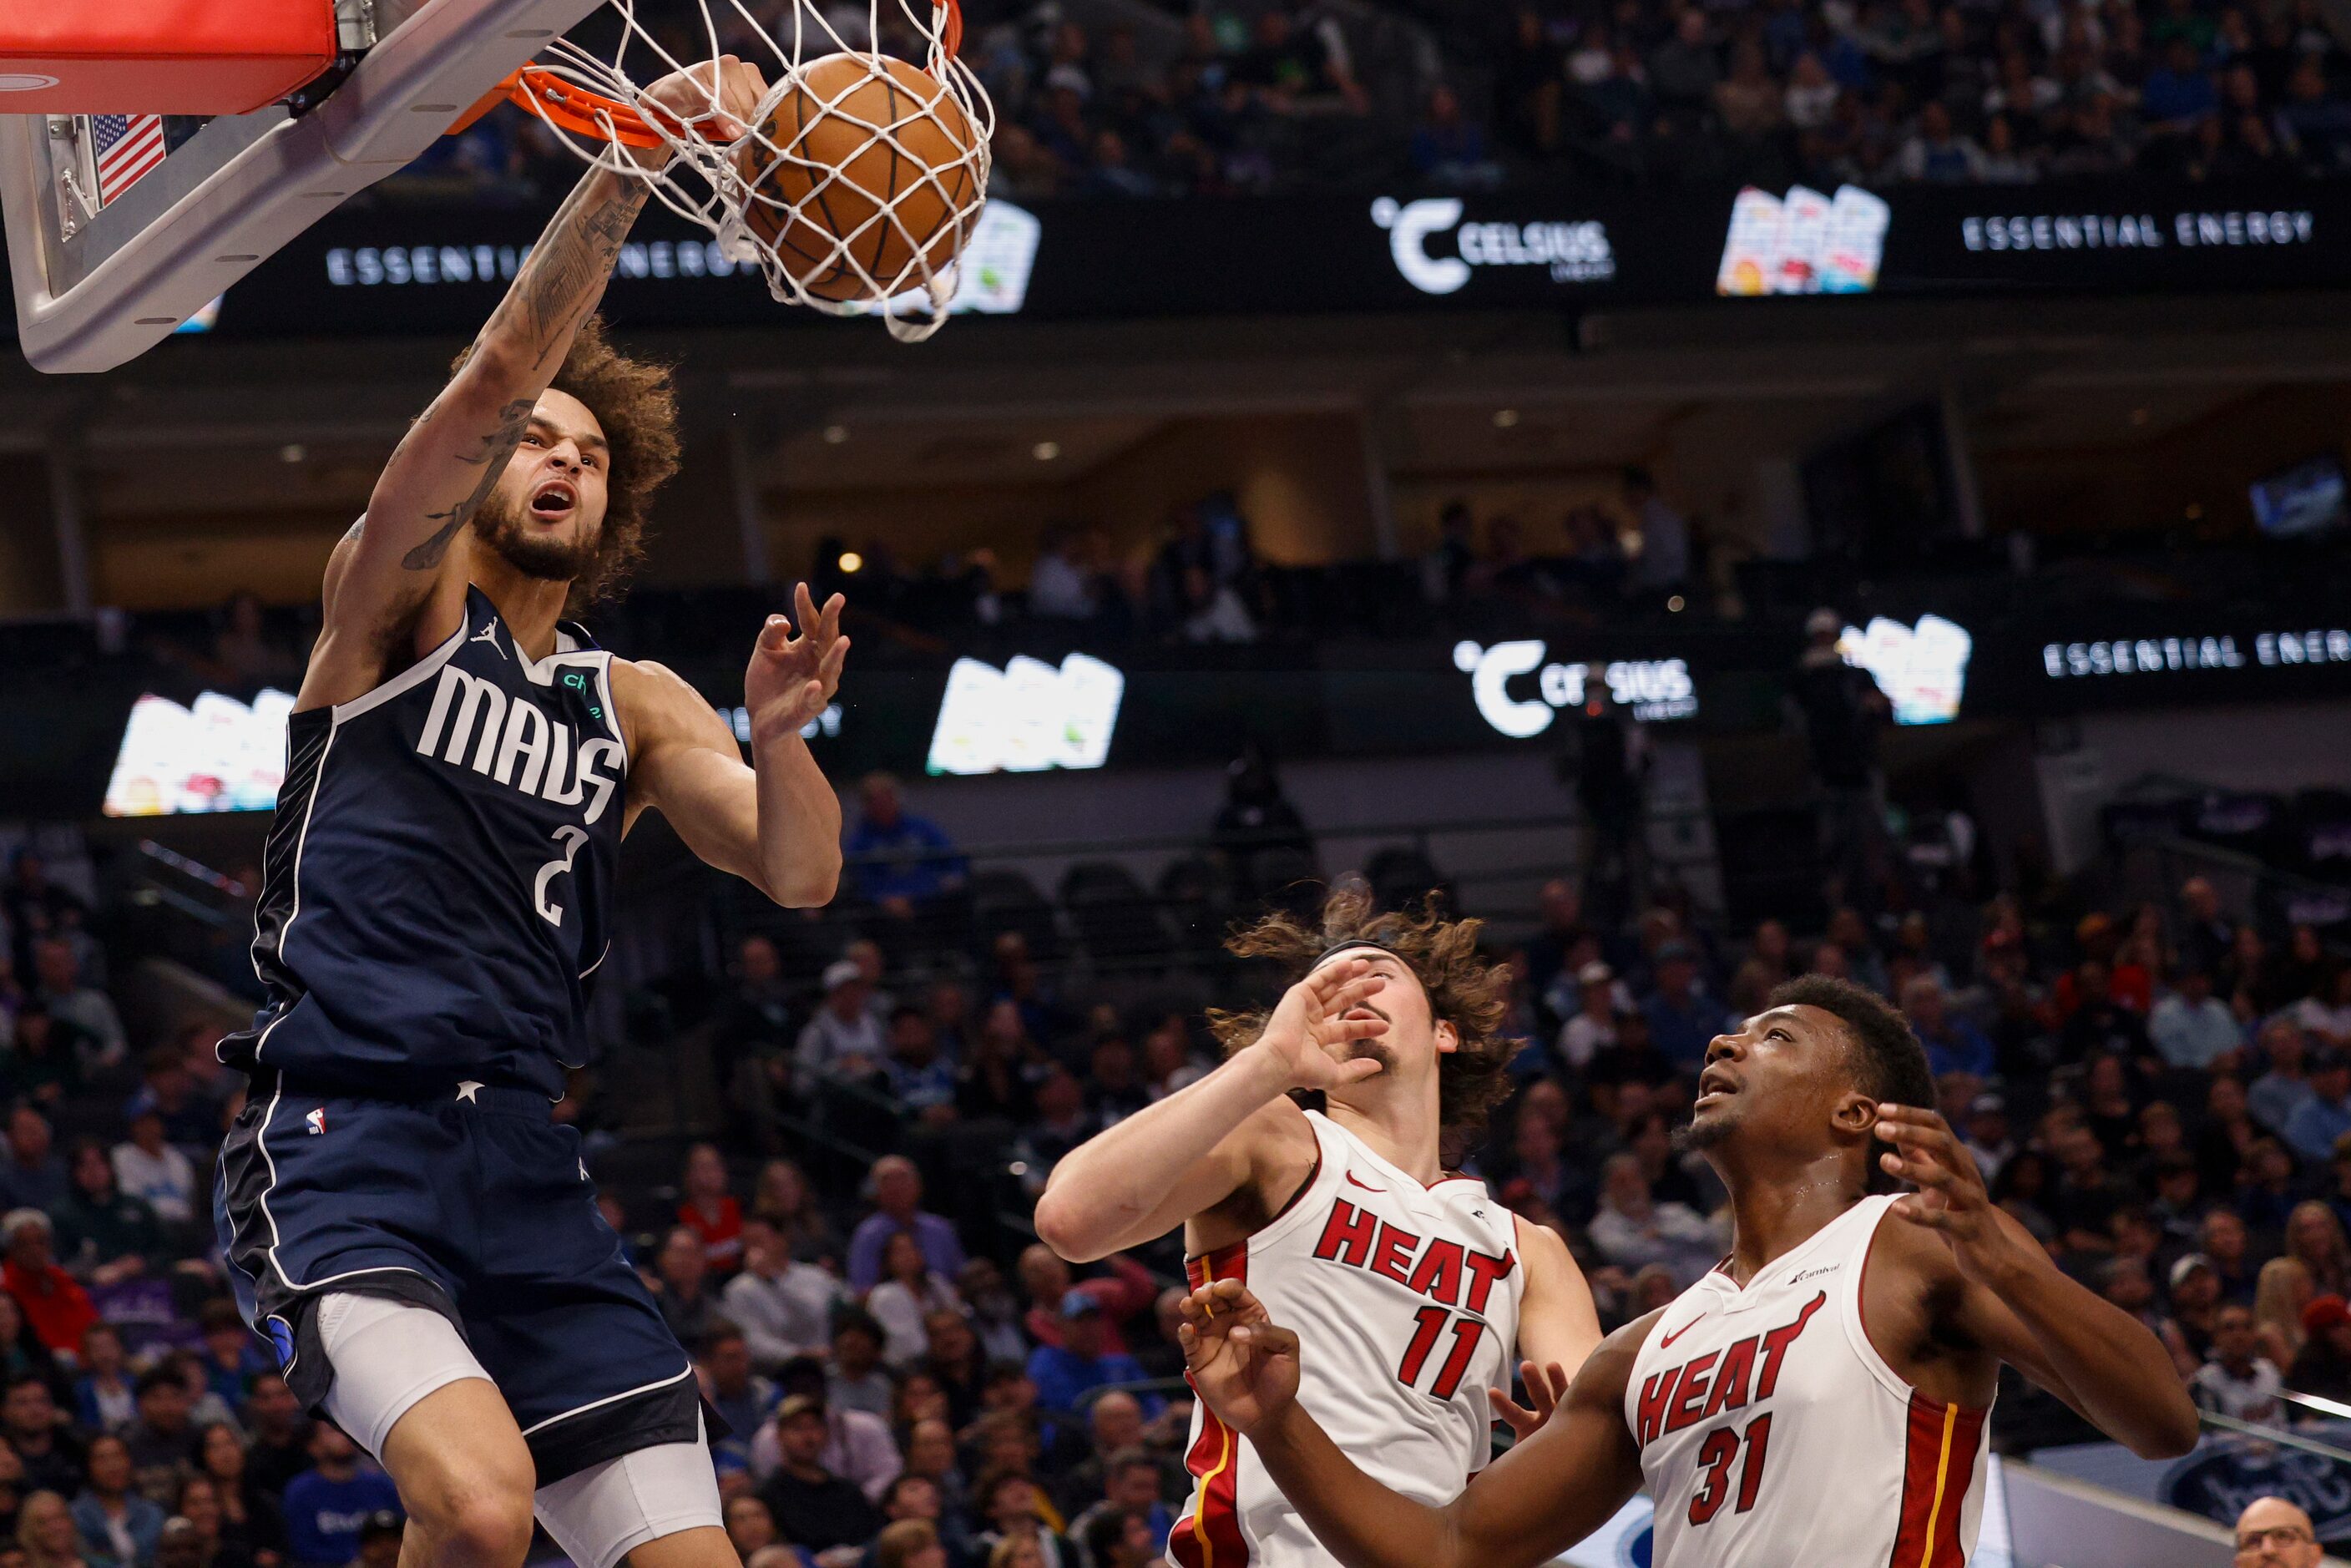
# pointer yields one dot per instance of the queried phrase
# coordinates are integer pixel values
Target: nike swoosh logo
(1364, 1184)
(1667, 1341)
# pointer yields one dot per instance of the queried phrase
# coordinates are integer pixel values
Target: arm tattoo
(497, 447)
(568, 268)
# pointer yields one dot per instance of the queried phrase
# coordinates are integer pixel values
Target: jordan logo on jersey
(1706, 1385)
(1443, 1270)
(473, 724)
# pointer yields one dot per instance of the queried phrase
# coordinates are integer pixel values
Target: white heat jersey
(1405, 1299)
(1772, 1432)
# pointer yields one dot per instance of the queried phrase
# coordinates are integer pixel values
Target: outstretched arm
(1140, 1179)
(1559, 1327)
(452, 458)
(2011, 1299)
(1526, 1508)
(776, 823)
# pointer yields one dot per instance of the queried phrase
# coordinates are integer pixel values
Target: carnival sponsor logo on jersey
(1574, 251)
(1745, 1372)
(511, 741)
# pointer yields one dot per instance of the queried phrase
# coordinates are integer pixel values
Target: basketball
(866, 164)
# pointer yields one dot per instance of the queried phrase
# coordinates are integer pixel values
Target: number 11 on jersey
(1429, 1325)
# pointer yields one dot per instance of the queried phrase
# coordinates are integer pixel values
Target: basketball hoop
(859, 179)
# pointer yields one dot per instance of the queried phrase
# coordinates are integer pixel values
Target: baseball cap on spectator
(799, 1405)
(1595, 973)
(839, 972)
(2325, 1312)
(2188, 1264)
(1078, 1303)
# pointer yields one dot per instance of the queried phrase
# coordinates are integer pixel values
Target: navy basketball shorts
(477, 1206)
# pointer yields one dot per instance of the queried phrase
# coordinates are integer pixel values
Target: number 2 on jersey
(1430, 1324)
(1721, 1447)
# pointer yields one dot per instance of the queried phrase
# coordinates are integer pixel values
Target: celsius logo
(1574, 251)
(1651, 689)
(1922, 670)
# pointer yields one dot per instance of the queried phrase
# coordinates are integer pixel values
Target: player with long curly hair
(1348, 1215)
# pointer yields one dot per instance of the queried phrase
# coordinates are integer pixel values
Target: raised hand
(1546, 1386)
(1311, 1033)
(793, 674)
(1243, 1364)
(720, 98)
(1951, 1199)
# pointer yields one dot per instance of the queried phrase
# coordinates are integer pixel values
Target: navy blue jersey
(436, 888)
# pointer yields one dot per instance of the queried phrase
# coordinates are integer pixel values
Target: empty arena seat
(1005, 901)
(1112, 915)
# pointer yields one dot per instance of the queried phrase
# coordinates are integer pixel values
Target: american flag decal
(128, 146)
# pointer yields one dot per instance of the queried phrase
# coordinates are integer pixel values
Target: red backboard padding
(168, 57)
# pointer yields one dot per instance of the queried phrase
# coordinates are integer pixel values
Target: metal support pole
(66, 514)
(748, 518)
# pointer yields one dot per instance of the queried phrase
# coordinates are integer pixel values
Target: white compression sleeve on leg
(609, 1509)
(387, 1356)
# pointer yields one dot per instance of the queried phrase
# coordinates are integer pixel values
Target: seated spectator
(2178, 93)
(844, 1038)
(250, 1523)
(167, 1089)
(57, 969)
(1013, 1528)
(1126, 1292)
(2326, 1015)
(2322, 1368)
(45, 1532)
(192, 1536)
(2326, 1116)
(2228, 1252)
(921, 1078)
(784, 1307)
(901, 862)
(162, 1437)
(1119, 1537)
(2235, 1379)
(1682, 1021)
(2281, 1292)
(2279, 1092)
(105, 1236)
(148, 1167)
(1082, 1361)
(1060, 587)
(897, 1192)
(741, 1396)
(2124, 1280)
(1954, 1044)
(909, 1543)
(750, 1528)
(104, 1398)
(2191, 1028)
(1062, 1123)
(858, 1447)
(118, 1526)
(814, 1508)
(858, 1380)
(327, 1504)
(755, 1021)
(1633, 1230)
(710, 1211)
(1937, 154)
(280, 1434)
(682, 1286)
(1134, 1487)
(33, 1176)
(909, 1291)
(42, 1063)
(1591, 1026)
(52, 1301)
(784, 1199)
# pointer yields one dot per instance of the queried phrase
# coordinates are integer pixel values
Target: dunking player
(1819, 1398)
(1416, 1284)
(407, 1226)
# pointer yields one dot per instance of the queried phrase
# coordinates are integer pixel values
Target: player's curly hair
(1465, 990)
(636, 406)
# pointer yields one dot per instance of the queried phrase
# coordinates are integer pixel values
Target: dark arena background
(1714, 492)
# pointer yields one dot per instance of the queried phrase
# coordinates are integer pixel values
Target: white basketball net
(709, 181)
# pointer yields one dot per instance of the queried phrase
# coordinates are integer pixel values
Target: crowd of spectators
(2161, 1093)
(1303, 93)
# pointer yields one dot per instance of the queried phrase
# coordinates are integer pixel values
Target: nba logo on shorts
(317, 1121)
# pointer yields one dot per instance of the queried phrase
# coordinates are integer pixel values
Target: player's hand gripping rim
(1312, 1033)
